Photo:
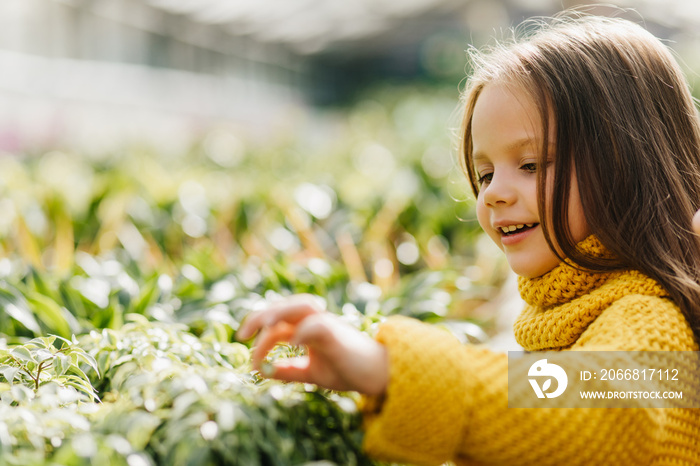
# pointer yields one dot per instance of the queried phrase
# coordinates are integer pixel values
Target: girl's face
(506, 142)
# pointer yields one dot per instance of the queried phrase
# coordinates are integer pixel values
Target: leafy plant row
(124, 278)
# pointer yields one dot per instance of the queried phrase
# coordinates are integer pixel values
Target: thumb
(314, 332)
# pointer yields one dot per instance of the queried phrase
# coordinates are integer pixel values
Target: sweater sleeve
(447, 401)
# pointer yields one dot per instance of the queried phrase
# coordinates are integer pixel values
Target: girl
(582, 145)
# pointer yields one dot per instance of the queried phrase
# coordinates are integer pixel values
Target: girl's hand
(338, 356)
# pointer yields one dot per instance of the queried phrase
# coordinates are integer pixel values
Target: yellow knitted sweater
(448, 402)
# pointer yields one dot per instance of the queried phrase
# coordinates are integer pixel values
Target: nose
(500, 191)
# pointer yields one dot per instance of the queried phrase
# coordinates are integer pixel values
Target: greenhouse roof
(312, 26)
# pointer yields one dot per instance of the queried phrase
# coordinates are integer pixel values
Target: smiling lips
(513, 235)
(511, 228)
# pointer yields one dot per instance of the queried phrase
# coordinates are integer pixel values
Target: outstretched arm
(338, 356)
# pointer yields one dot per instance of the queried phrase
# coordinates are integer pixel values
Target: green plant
(39, 362)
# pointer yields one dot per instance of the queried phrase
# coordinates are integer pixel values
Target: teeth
(511, 228)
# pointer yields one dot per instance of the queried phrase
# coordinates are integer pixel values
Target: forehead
(504, 115)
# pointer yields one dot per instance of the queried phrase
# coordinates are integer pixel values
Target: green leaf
(21, 393)
(37, 342)
(24, 316)
(23, 354)
(89, 360)
(61, 364)
(64, 340)
(41, 355)
(9, 373)
(74, 369)
(149, 294)
(81, 385)
(55, 317)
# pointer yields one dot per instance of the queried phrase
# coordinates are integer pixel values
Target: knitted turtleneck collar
(562, 303)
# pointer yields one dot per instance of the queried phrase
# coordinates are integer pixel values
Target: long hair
(626, 122)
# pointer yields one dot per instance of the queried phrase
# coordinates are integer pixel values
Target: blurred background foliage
(167, 166)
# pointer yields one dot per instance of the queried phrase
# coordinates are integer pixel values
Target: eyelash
(533, 166)
(528, 167)
(482, 178)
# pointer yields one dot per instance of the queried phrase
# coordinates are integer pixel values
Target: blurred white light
(96, 290)
(88, 263)
(222, 291)
(319, 267)
(111, 268)
(119, 443)
(366, 291)
(383, 268)
(441, 296)
(24, 316)
(316, 200)
(192, 273)
(128, 284)
(251, 277)
(36, 219)
(224, 148)
(407, 253)
(194, 225)
(84, 445)
(132, 240)
(165, 283)
(349, 309)
(135, 459)
(5, 267)
(282, 239)
(226, 415)
(193, 198)
(463, 283)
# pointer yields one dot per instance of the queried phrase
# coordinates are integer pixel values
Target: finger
(315, 331)
(293, 370)
(292, 310)
(268, 339)
(300, 369)
(250, 325)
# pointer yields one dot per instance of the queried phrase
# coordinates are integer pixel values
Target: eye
(529, 167)
(485, 178)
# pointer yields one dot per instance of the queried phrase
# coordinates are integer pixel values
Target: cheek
(483, 215)
(577, 219)
(577, 223)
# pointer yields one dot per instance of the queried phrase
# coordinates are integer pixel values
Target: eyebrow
(518, 144)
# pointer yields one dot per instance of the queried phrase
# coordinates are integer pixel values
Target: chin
(528, 271)
(528, 274)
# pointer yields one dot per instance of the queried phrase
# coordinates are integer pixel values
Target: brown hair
(625, 120)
